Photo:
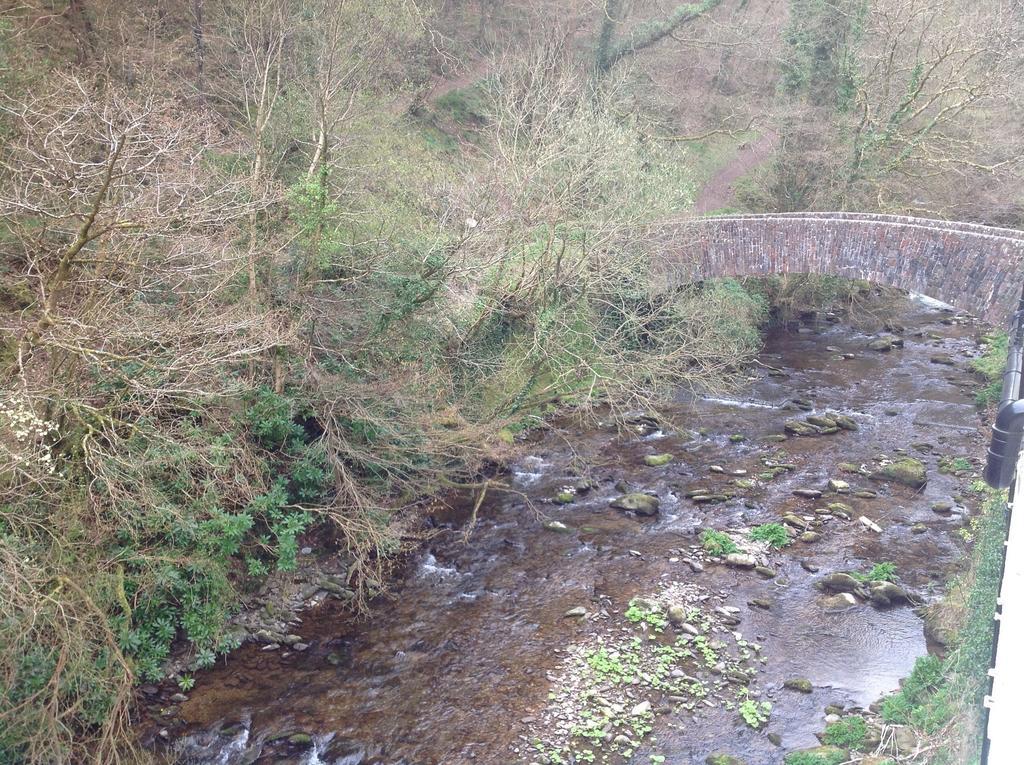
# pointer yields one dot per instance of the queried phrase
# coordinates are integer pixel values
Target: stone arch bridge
(978, 269)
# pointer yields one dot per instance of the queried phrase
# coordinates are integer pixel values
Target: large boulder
(838, 582)
(840, 602)
(884, 594)
(740, 560)
(844, 421)
(907, 471)
(798, 428)
(638, 502)
(657, 460)
(801, 684)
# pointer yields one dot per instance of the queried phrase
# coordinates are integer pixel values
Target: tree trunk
(81, 27)
(200, 41)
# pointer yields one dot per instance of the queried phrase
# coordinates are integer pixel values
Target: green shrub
(718, 542)
(915, 690)
(271, 419)
(775, 534)
(848, 733)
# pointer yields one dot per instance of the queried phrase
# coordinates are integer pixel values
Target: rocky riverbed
(716, 584)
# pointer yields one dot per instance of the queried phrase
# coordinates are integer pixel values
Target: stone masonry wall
(976, 268)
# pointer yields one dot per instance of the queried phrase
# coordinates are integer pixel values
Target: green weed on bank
(943, 698)
(990, 366)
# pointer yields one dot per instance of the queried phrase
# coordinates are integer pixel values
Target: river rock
(556, 526)
(907, 471)
(639, 503)
(838, 486)
(729, 620)
(575, 613)
(765, 572)
(798, 428)
(676, 614)
(268, 636)
(844, 421)
(884, 594)
(764, 603)
(905, 740)
(720, 758)
(801, 684)
(943, 359)
(820, 421)
(584, 485)
(809, 536)
(881, 344)
(336, 589)
(709, 499)
(657, 460)
(943, 507)
(795, 521)
(838, 582)
(641, 709)
(809, 567)
(740, 560)
(870, 524)
(807, 493)
(564, 497)
(838, 602)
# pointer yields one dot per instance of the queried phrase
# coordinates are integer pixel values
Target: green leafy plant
(649, 613)
(186, 683)
(717, 542)
(848, 733)
(775, 534)
(880, 572)
(755, 713)
(949, 464)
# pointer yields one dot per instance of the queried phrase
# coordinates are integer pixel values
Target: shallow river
(473, 659)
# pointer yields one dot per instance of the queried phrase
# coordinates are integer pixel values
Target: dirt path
(718, 192)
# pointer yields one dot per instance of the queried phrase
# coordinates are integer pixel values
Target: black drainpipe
(1008, 429)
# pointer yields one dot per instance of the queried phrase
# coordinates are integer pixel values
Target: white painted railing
(1006, 703)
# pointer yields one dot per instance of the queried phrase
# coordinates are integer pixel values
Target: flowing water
(470, 657)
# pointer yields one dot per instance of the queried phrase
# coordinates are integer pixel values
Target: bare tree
(612, 48)
(254, 64)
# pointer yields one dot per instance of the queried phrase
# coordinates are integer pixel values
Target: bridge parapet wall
(978, 269)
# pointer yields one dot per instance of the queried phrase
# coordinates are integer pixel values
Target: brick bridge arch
(978, 269)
